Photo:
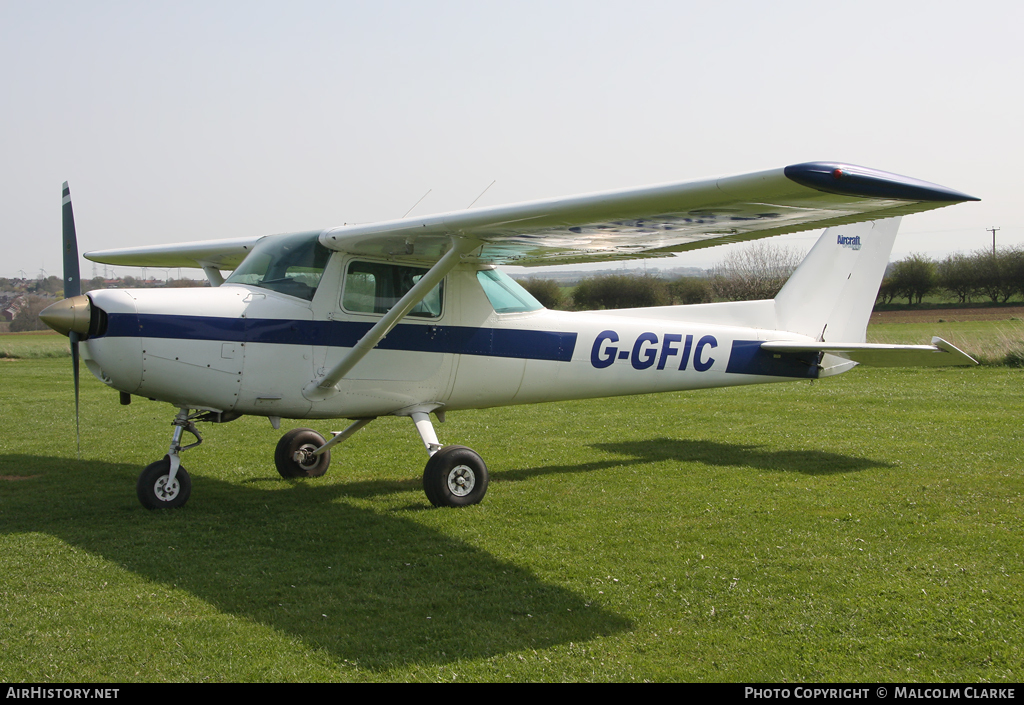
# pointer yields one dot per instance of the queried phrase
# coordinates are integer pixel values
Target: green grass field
(33, 346)
(989, 342)
(862, 528)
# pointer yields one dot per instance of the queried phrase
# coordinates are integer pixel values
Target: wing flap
(939, 354)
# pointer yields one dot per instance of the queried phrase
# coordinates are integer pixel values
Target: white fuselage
(251, 350)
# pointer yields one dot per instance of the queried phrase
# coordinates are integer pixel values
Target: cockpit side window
(289, 264)
(374, 287)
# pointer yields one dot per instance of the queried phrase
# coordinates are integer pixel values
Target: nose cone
(68, 315)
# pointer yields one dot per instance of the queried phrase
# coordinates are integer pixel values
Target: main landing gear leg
(165, 484)
(302, 452)
(455, 476)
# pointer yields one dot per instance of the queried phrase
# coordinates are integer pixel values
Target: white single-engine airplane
(411, 317)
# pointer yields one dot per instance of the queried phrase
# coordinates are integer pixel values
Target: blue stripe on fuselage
(747, 358)
(460, 340)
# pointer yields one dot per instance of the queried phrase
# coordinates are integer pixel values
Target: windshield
(289, 264)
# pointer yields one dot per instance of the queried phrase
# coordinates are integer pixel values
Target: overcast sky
(178, 121)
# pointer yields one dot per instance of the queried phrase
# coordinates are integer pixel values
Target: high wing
(656, 221)
(222, 254)
(653, 221)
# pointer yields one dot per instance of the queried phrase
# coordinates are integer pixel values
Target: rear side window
(505, 295)
(375, 287)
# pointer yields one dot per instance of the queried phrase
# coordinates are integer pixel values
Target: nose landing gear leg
(165, 484)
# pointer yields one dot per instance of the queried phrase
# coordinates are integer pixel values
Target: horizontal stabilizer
(939, 354)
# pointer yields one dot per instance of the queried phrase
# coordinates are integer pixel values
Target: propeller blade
(72, 287)
(74, 368)
(72, 276)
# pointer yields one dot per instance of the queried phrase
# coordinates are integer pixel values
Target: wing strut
(212, 273)
(324, 388)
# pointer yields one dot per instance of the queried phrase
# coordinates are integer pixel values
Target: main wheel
(455, 476)
(301, 442)
(154, 490)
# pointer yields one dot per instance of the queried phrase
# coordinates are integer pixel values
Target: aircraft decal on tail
(852, 242)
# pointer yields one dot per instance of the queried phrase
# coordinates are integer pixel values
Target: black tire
(153, 490)
(300, 439)
(455, 476)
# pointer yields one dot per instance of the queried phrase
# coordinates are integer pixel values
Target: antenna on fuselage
(481, 194)
(417, 202)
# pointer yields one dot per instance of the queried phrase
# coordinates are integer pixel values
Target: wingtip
(852, 180)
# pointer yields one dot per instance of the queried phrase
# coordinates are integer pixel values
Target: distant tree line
(761, 270)
(756, 272)
(982, 275)
(619, 291)
(42, 286)
(33, 295)
(53, 286)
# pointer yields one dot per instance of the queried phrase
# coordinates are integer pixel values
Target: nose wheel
(158, 489)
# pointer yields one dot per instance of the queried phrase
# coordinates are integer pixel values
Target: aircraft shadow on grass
(656, 450)
(353, 582)
(808, 462)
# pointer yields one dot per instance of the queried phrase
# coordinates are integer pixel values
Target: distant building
(11, 311)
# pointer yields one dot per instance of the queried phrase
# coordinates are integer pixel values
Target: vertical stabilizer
(831, 294)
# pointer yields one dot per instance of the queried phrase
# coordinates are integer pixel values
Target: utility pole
(993, 231)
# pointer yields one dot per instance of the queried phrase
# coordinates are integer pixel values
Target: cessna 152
(411, 317)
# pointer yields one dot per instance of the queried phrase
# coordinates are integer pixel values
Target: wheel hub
(305, 458)
(461, 480)
(164, 490)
